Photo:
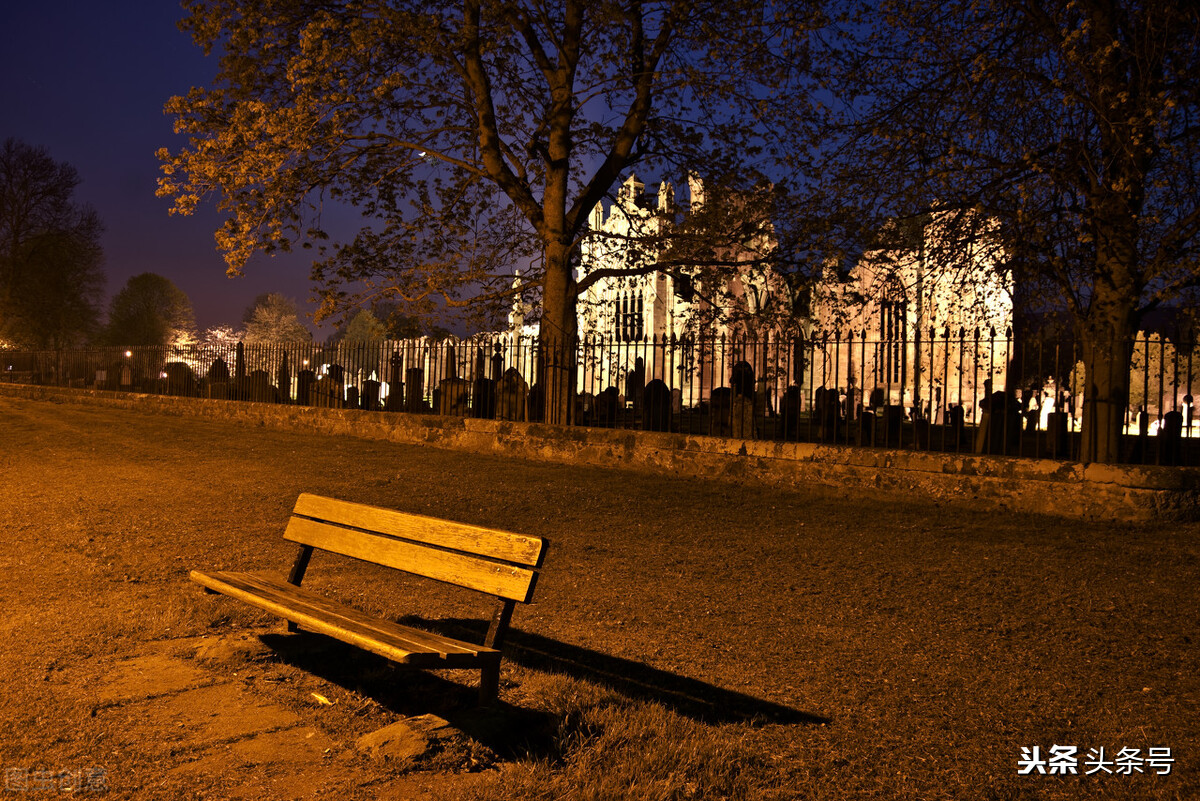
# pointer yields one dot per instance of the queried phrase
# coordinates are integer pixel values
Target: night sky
(88, 81)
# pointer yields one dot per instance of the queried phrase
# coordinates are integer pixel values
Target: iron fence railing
(959, 391)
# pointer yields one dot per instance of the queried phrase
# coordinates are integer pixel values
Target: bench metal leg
(489, 684)
(297, 575)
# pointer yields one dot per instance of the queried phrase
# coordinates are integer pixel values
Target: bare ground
(690, 638)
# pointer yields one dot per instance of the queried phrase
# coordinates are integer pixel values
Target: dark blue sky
(88, 81)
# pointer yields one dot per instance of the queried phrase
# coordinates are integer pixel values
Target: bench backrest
(496, 562)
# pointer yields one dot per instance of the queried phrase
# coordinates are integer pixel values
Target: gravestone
(239, 360)
(1170, 438)
(866, 429)
(351, 397)
(721, 409)
(656, 407)
(325, 393)
(497, 364)
(956, 420)
(369, 396)
(483, 398)
(1057, 434)
(999, 424)
(741, 417)
(218, 371)
(453, 397)
(333, 385)
(635, 385)
(511, 396)
(180, 379)
(790, 411)
(537, 403)
(258, 387)
(305, 379)
(283, 379)
(893, 425)
(606, 407)
(414, 390)
(395, 395)
(742, 380)
(585, 409)
(850, 405)
(762, 402)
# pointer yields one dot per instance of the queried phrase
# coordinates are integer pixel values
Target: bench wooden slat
(494, 578)
(317, 613)
(485, 542)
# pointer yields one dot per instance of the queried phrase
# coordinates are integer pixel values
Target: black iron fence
(959, 391)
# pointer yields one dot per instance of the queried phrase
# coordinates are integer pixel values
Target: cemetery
(977, 392)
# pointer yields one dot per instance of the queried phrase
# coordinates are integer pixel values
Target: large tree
(50, 257)
(274, 318)
(476, 135)
(149, 310)
(1065, 133)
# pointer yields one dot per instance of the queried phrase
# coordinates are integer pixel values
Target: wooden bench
(496, 563)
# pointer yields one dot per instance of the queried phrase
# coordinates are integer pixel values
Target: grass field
(690, 639)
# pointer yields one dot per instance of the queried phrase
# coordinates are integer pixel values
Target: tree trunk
(556, 348)
(1106, 338)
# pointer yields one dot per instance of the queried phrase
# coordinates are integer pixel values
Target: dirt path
(845, 647)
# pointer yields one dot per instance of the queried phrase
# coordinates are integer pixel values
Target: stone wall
(1126, 492)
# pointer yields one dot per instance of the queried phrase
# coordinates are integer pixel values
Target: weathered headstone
(511, 396)
(866, 429)
(1057, 434)
(1170, 438)
(762, 402)
(180, 379)
(258, 387)
(585, 409)
(741, 380)
(369, 396)
(395, 394)
(721, 410)
(497, 364)
(831, 421)
(454, 395)
(656, 408)
(893, 425)
(790, 411)
(741, 417)
(483, 398)
(283, 379)
(239, 362)
(537, 403)
(218, 372)
(635, 385)
(956, 421)
(606, 407)
(414, 390)
(305, 380)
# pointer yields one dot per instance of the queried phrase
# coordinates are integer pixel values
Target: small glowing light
(306, 362)
(162, 375)
(128, 353)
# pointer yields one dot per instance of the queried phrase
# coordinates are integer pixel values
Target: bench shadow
(512, 731)
(686, 696)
